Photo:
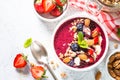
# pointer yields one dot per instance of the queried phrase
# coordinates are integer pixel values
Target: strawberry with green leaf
(20, 61)
(38, 72)
(61, 2)
(57, 11)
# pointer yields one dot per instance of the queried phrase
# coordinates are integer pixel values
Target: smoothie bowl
(80, 42)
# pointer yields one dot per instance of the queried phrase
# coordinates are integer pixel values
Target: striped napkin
(111, 21)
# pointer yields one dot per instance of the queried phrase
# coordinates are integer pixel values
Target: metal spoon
(41, 56)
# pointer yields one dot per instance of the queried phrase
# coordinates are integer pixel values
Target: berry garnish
(80, 27)
(61, 2)
(75, 47)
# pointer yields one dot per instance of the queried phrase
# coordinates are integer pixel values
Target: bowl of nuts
(80, 42)
(113, 65)
(50, 10)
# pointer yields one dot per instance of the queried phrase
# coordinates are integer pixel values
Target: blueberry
(80, 27)
(71, 63)
(75, 47)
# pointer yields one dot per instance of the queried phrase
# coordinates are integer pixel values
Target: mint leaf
(27, 43)
(80, 37)
(83, 44)
(118, 32)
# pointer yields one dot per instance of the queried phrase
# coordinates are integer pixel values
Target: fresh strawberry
(96, 40)
(37, 72)
(95, 32)
(90, 51)
(57, 11)
(20, 61)
(91, 60)
(61, 2)
(38, 6)
(48, 5)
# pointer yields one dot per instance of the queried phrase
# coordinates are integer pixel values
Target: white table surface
(19, 22)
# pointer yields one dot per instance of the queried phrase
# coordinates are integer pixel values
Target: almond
(98, 75)
(66, 60)
(90, 42)
(83, 57)
(87, 22)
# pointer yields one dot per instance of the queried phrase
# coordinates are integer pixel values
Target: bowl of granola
(80, 42)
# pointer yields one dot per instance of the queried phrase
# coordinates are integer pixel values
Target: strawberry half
(90, 51)
(48, 5)
(61, 2)
(96, 39)
(38, 72)
(91, 60)
(38, 6)
(57, 11)
(20, 61)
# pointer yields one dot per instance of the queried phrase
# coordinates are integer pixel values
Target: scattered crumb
(63, 75)
(115, 45)
(52, 62)
(53, 67)
(32, 64)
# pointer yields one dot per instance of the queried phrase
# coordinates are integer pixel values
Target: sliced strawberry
(61, 2)
(20, 61)
(57, 11)
(37, 72)
(48, 5)
(91, 60)
(90, 51)
(96, 39)
(95, 32)
(38, 6)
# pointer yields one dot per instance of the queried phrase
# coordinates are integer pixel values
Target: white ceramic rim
(86, 15)
(54, 19)
(113, 52)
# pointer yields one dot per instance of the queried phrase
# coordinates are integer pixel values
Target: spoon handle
(52, 73)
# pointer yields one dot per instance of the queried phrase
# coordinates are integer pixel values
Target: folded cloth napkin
(111, 21)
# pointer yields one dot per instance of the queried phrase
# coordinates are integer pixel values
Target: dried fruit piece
(87, 22)
(83, 57)
(98, 75)
(111, 59)
(66, 60)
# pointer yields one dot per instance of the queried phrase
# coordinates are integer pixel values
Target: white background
(19, 22)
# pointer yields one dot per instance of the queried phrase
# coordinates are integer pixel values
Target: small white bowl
(49, 18)
(106, 65)
(84, 15)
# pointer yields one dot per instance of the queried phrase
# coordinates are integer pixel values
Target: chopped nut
(51, 62)
(87, 22)
(74, 28)
(98, 75)
(66, 60)
(60, 55)
(115, 45)
(83, 57)
(90, 42)
(110, 66)
(63, 75)
(73, 54)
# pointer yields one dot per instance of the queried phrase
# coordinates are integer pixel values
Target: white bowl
(106, 65)
(49, 18)
(84, 15)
